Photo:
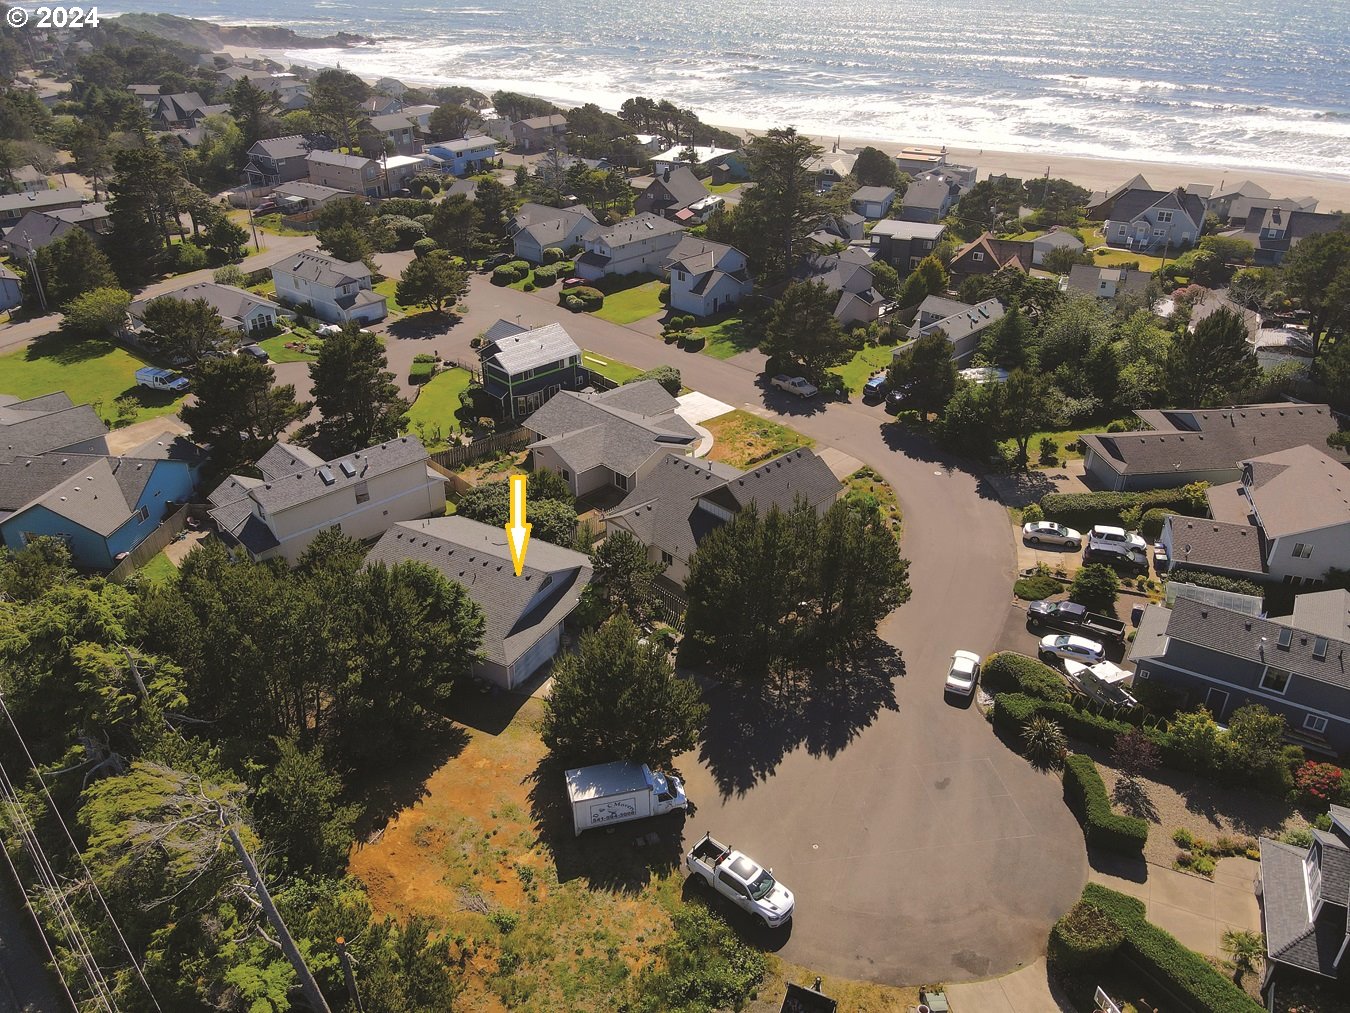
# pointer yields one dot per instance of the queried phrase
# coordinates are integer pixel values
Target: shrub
(1037, 587)
(667, 376)
(705, 966)
(1085, 795)
(1318, 783)
(1299, 837)
(572, 303)
(1183, 838)
(1095, 587)
(1016, 673)
(186, 256)
(695, 343)
(1049, 451)
(404, 207)
(421, 372)
(1032, 512)
(583, 298)
(663, 294)
(528, 286)
(424, 246)
(1084, 938)
(1084, 509)
(1013, 710)
(552, 254)
(425, 357)
(505, 275)
(230, 274)
(1044, 743)
(521, 267)
(1151, 523)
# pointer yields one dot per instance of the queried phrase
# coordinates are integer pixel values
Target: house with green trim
(524, 367)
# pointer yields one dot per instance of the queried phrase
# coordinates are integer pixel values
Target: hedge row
(1180, 970)
(1010, 672)
(1084, 939)
(1013, 710)
(1085, 795)
(1082, 510)
(582, 299)
(421, 372)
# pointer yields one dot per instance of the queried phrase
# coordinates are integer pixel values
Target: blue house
(61, 482)
(463, 155)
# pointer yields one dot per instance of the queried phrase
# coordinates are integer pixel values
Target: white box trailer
(609, 793)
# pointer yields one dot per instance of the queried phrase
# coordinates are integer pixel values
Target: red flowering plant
(1319, 783)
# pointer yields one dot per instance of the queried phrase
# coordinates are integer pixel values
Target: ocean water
(1224, 82)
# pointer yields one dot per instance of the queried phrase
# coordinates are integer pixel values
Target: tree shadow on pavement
(920, 446)
(752, 727)
(620, 859)
(424, 325)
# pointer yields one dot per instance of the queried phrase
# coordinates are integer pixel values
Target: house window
(1276, 680)
(1164, 217)
(1315, 723)
(621, 480)
(977, 256)
(1302, 550)
(362, 492)
(1157, 233)
(679, 275)
(567, 475)
(666, 557)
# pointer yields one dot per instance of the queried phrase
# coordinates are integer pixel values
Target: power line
(89, 875)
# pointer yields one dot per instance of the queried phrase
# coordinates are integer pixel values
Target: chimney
(665, 176)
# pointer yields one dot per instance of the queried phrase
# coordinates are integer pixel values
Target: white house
(522, 616)
(299, 494)
(337, 291)
(641, 243)
(537, 227)
(670, 158)
(873, 202)
(706, 277)
(960, 322)
(240, 310)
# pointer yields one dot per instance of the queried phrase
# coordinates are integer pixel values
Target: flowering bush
(1319, 782)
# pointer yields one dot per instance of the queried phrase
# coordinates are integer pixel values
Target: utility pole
(307, 983)
(346, 959)
(33, 271)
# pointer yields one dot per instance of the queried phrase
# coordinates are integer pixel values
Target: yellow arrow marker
(517, 531)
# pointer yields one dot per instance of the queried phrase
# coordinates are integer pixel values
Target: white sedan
(1050, 533)
(963, 673)
(1073, 648)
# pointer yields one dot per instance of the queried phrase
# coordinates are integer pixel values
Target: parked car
(875, 388)
(742, 880)
(963, 673)
(573, 282)
(1116, 554)
(1119, 536)
(795, 385)
(255, 352)
(1067, 646)
(1050, 533)
(1070, 617)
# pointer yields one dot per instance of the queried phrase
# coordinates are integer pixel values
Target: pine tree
(1212, 364)
(436, 281)
(238, 410)
(358, 400)
(72, 266)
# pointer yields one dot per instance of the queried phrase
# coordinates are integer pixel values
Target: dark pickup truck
(1074, 618)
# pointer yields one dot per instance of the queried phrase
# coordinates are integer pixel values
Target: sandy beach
(1332, 192)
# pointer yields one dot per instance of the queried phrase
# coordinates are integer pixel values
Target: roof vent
(348, 468)
(326, 474)
(1320, 648)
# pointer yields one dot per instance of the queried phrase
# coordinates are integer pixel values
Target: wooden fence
(152, 546)
(479, 449)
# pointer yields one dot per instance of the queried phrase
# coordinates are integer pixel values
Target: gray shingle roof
(27, 433)
(619, 429)
(338, 158)
(696, 255)
(1087, 278)
(1291, 938)
(102, 495)
(963, 322)
(476, 556)
(1256, 640)
(1334, 861)
(873, 193)
(307, 485)
(1326, 613)
(683, 188)
(634, 230)
(1299, 489)
(1213, 439)
(780, 482)
(287, 459)
(169, 446)
(899, 230)
(530, 349)
(502, 329)
(290, 146)
(549, 226)
(321, 269)
(1216, 544)
(931, 194)
(25, 479)
(232, 303)
(39, 199)
(309, 191)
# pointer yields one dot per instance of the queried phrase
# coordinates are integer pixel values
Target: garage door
(536, 656)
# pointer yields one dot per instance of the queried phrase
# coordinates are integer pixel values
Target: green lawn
(866, 362)
(277, 351)
(432, 416)
(274, 225)
(744, 440)
(389, 289)
(159, 570)
(632, 304)
(726, 338)
(89, 370)
(1066, 437)
(619, 372)
(720, 188)
(1094, 239)
(1028, 236)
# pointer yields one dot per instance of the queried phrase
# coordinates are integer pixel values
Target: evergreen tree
(451, 121)
(253, 109)
(776, 215)
(186, 328)
(1025, 409)
(926, 370)
(358, 400)
(623, 575)
(300, 811)
(238, 410)
(1010, 340)
(72, 266)
(929, 278)
(970, 420)
(1316, 274)
(454, 224)
(1212, 364)
(876, 168)
(142, 208)
(335, 103)
(493, 203)
(436, 281)
(803, 328)
(616, 697)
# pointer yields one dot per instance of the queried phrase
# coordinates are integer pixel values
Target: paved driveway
(919, 846)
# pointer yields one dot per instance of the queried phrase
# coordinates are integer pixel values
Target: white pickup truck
(795, 385)
(743, 881)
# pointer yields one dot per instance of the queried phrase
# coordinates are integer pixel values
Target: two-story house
(962, 324)
(335, 290)
(464, 155)
(904, 244)
(987, 254)
(873, 202)
(850, 275)
(609, 438)
(13, 206)
(1274, 231)
(522, 616)
(706, 277)
(523, 368)
(642, 243)
(830, 167)
(299, 495)
(1141, 218)
(1104, 282)
(1177, 446)
(540, 133)
(927, 200)
(346, 172)
(678, 501)
(538, 227)
(397, 132)
(42, 228)
(674, 190)
(276, 160)
(1233, 203)
(1223, 657)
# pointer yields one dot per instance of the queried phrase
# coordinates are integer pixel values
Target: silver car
(1050, 533)
(1069, 647)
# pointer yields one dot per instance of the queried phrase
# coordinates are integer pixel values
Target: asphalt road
(919, 846)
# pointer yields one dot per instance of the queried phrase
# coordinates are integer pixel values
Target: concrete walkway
(696, 407)
(1195, 910)
(1028, 990)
